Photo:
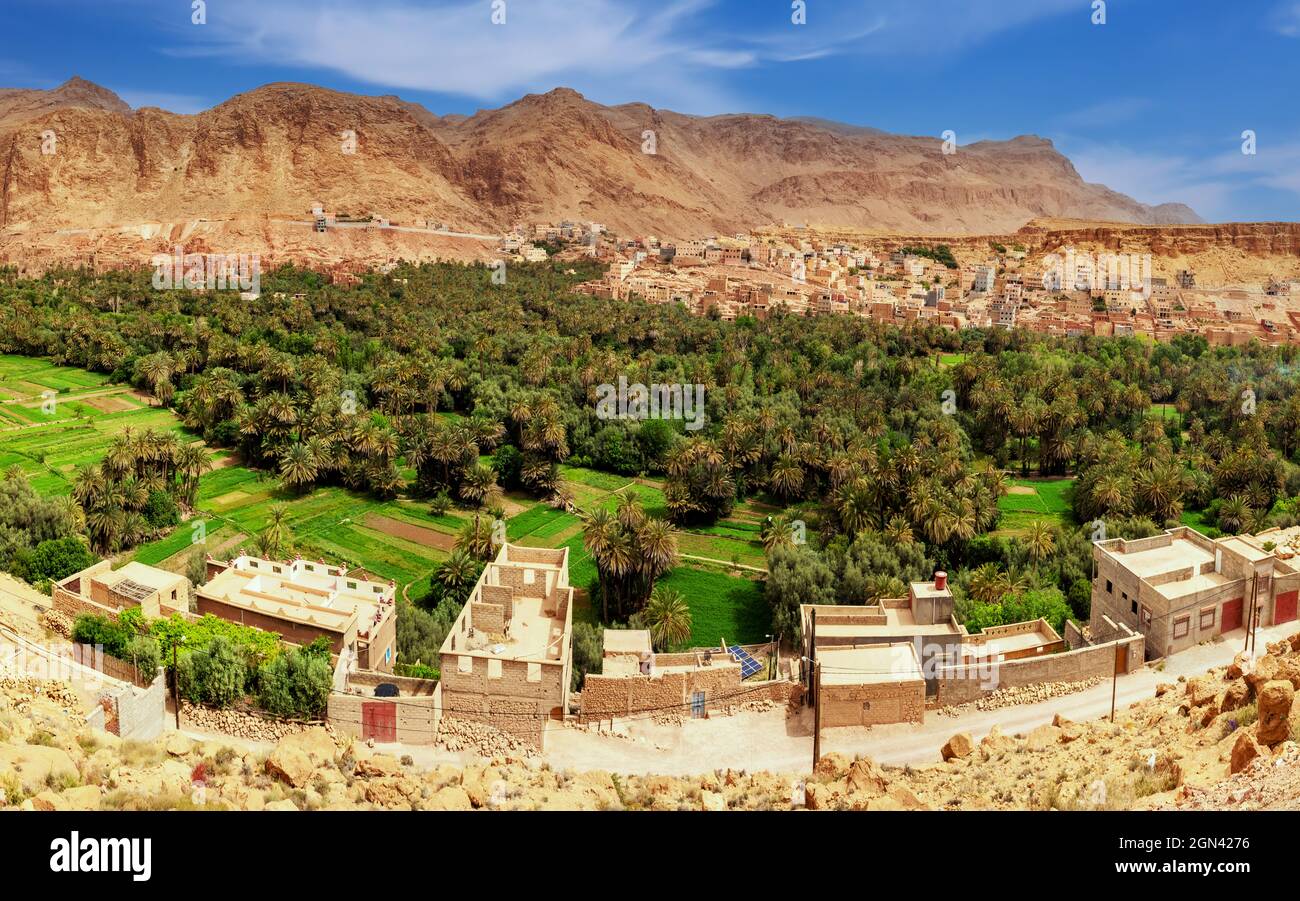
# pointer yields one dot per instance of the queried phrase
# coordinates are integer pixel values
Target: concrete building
(923, 618)
(102, 590)
(1180, 588)
(508, 657)
(304, 600)
(923, 621)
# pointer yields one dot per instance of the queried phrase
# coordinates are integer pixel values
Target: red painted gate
(1285, 611)
(1231, 615)
(379, 721)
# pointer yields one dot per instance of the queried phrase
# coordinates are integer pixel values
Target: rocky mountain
(275, 151)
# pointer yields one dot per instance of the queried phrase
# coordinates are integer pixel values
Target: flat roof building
(103, 590)
(871, 685)
(304, 600)
(1180, 588)
(508, 657)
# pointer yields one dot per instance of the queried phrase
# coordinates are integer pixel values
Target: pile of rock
(1014, 695)
(58, 623)
(1268, 682)
(483, 739)
(238, 723)
(22, 690)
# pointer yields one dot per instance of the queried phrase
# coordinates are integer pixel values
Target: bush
(295, 684)
(160, 511)
(54, 559)
(588, 652)
(215, 674)
(142, 650)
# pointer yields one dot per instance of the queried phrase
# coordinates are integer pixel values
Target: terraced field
(50, 435)
(398, 539)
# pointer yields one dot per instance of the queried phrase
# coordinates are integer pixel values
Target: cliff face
(277, 150)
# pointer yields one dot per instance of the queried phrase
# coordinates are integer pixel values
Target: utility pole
(817, 714)
(176, 683)
(1114, 677)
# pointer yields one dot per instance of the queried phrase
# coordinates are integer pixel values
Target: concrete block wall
(962, 684)
(133, 712)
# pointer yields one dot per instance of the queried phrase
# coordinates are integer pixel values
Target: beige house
(508, 657)
(1180, 588)
(102, 590)
(303, 600)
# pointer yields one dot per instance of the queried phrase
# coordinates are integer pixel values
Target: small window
(465, 664)
(1146, 615)
(352, 585)
(494, 669)
(309, 567)
(1110, 589)
(253, 563)
(1182, 626)
(528, 577)
(1207, 617)
(275, 569)
(534, 672)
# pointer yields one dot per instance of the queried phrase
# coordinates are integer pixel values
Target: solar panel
(748, 665)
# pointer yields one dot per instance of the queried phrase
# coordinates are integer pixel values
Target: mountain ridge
(277, 149)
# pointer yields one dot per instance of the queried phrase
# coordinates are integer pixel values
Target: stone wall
(616, 697)
(969, 682)
(873, 703)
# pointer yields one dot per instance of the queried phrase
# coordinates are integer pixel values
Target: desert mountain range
(276, 150)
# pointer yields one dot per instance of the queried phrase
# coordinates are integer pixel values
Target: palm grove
(433, 382)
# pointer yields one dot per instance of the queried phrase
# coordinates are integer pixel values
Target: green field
(234, 504)
(1048, 499)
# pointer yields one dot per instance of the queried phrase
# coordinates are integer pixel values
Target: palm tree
(298, 467)
(457, 574)
(986, 583)
(668, 618)
(1040, 540)
(475, 538)
(1234, 513)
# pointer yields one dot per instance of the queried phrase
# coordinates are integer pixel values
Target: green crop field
(234, 504)
(722, 606)
(1049, 499)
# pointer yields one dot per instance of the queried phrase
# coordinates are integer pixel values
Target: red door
(1285, 611)
(379, 721)
(1231, 615)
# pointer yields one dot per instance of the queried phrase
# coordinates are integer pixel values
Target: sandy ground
(20, 605)
(768, 741)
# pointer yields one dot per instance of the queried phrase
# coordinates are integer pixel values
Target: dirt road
(768, 741)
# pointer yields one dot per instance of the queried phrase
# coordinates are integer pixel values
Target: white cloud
(598, 46)
(1286, 19)
(1214, 185)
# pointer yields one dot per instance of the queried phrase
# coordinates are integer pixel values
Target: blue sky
(1152, 103)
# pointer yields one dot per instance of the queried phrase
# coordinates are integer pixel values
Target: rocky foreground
(1227, 739)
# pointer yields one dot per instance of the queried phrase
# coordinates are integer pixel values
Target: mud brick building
(508, 657)
(102, 590)
(634, 681)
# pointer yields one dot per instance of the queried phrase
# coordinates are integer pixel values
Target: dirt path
(768, 741)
